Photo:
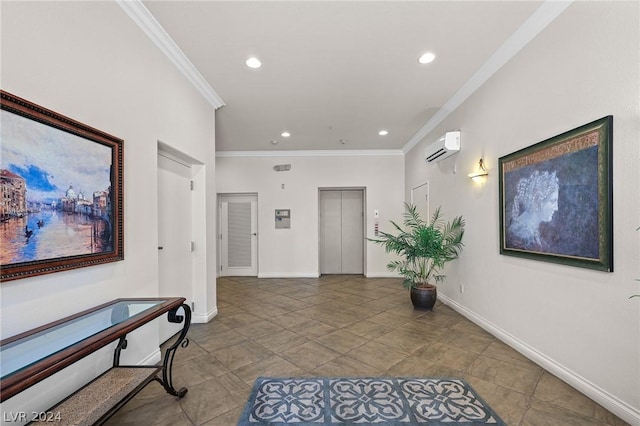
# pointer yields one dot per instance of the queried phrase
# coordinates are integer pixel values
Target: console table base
(96, 402)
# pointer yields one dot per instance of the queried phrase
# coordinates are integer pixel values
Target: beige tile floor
(346, 325)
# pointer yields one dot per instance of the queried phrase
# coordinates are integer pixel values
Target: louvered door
(239, 235)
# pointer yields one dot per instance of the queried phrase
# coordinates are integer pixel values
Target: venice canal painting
(56, 190)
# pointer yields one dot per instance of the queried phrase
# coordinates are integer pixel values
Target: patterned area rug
(369, 400)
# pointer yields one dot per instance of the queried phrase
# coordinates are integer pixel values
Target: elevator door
(342, 231)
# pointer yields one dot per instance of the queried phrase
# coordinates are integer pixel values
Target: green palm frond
(425, 247)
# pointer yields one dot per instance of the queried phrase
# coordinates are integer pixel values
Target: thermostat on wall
(283, 218)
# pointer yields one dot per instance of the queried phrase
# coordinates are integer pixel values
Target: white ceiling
(336, 70)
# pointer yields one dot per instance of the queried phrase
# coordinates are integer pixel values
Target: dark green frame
(564, 152)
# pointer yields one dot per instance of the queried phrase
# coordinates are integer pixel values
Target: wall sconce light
(480, 173)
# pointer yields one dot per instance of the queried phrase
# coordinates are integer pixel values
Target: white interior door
(341, 231)
(174, 235)
(239, 235)
(420, 199)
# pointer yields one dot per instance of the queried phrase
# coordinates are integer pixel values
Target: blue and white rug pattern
(368, 400)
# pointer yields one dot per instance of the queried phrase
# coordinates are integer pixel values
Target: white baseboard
(608, 401)
(152, 359)
(382, 275)
(288, 275)
(316, 275)
(203, 319)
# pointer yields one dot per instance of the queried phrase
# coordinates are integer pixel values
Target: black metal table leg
(122, 344)
(182, 341)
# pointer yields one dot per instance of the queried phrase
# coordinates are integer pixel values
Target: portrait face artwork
(534, 202)
(555, 201)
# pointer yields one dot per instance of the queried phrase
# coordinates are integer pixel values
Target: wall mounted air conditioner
(447, 145)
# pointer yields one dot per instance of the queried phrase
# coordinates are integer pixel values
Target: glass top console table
(32, 356)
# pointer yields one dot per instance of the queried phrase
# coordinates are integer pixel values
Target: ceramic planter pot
(424, 297)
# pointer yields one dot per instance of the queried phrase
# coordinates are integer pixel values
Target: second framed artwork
(556, 198)
(61, 184)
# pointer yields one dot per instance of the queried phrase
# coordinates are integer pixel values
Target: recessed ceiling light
(383, 132)
(343, 141)
(274, 142)
(426, 58)
(285, 134)
(253, 62)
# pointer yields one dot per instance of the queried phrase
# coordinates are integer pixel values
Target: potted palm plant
(425, 247)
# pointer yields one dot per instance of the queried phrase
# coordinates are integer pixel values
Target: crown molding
(311, 153)
(543, 16)
(152, 28)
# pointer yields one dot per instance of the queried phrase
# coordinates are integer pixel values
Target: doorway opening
(175, 244)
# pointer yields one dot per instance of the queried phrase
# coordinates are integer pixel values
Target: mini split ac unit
(447, 145)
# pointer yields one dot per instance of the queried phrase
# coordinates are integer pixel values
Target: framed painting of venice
(61, 192)
(556, 198)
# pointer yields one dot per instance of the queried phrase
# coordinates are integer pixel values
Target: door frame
(199, 291)
(363, 189)
(219, 200)
(427, 214)
(183, 287)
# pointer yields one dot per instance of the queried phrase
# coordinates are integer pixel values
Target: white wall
(89, 61)
(294, 252)
(579, 323)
